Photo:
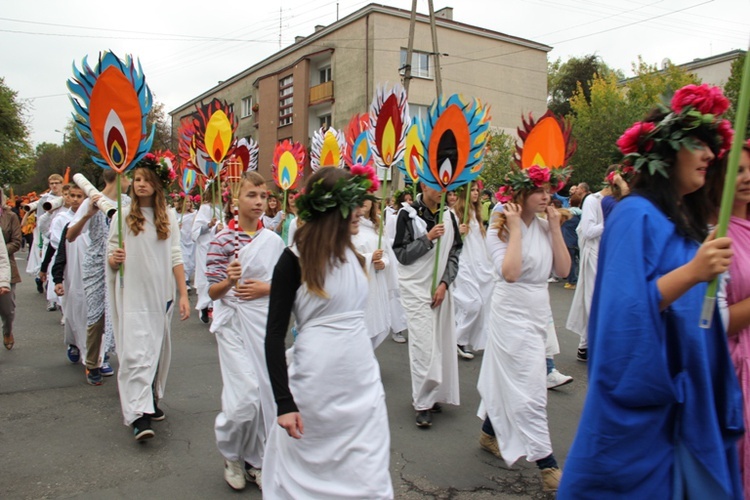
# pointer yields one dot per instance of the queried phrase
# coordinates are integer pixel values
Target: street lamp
(65, 136)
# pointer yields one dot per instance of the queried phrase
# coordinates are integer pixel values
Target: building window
(421, 64)
(325, 121)
(286, 100)
(325, 74)
(247, 107)
(418, 111)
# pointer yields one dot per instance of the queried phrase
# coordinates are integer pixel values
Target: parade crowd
(300, 296)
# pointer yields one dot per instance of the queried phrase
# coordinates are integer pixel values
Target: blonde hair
(136, 219)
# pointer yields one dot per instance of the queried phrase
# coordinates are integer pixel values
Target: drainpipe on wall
(367, 62)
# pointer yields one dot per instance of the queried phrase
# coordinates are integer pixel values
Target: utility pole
(410, 46)
(435, 51)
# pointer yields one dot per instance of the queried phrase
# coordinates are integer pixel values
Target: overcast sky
(186, 47)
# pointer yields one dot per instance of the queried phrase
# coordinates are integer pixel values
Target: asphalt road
(61, 438)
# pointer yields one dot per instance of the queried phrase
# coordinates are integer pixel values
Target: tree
(564, 79)
(163, 134)
(732, 91)
(610, 109)
(15, 148)
(498, 158)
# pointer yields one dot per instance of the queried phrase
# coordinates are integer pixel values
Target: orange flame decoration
(455, 136)
(389, 121)
(357, 147)
(288, 164)
(327, 149)
(111, 104)
(547, 142)
(414, 153)
(215, 125)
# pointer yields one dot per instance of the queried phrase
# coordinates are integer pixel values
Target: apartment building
(328, 76)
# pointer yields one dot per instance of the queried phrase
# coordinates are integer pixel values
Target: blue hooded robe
(664, 408)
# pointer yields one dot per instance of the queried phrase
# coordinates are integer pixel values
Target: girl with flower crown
(206, 225)
(144, 297)
(332, 440)
(475, 279)
(663, 410)
(513, 379)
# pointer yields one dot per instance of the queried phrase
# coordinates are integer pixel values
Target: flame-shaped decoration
(215, 125)
(185, 133)
(357, 146)
(414, 153)
(547, 142)
(247, 152)
(187, 179)
(111, 103)
(389, 122)
(288, 163)
(205, 165)
(454, 135)
(327, 149)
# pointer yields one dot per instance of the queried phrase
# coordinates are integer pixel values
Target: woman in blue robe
(664, 409)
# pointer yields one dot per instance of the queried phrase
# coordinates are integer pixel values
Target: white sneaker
(464, 352)
(234, 474)
(256, 476)
(552, 279)
(398, 337)
(556, 379)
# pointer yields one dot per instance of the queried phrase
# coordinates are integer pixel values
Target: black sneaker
(158, 414)
(582, 355)
(94, 376)
(204, 316)
(465, 352)
(39, 285)
(436, 408)
(424, 418)
(142, 429)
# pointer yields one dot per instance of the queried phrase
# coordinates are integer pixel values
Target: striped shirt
(221, 252)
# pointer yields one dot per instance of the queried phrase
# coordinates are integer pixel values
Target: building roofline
(697, 63)
(354, 16)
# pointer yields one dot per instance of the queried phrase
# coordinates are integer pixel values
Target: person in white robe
(143, 298)
(39, 245)
(332, 439)
(589, 232)
(512, 380)
(240, 287)
(206, 224)
(472, 289)
(62, 218)
(429, 313)
(187, 244)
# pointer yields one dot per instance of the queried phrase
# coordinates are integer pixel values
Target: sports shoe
(551, 478)
(398, 337)
(556, 379)
(142, 429)
(424, 418)
(204, 316)
(254, 475)
(582, 355)
(158, 414)
(234, 474)
(187, 286)
(51, 306)
(106, 368)
(39, 285)
(74, 355)
(436, 408)
(570, 286)
(552, 279)
(94, 376)
(465, 352)
(489, 443)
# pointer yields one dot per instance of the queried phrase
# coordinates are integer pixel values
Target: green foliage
(498, 159)
(612, 107)
(15, 148)
(732, 91)
(565, 78)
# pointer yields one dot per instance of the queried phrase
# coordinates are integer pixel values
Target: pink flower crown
(530, 179)
(693, 108)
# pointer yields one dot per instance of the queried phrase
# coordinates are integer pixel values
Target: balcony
(321, 93)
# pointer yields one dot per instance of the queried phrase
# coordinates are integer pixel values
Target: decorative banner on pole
(545, 143)
(327, 149)
(357, 146)
(288, 165)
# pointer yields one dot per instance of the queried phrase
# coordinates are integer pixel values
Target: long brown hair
(372, 214)
(135, 218)
(271, 212)
(475, 209)
(323, 240)
(499, 220)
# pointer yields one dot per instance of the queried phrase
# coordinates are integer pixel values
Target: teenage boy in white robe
(432, 327)
(239, 288)
(39, 245)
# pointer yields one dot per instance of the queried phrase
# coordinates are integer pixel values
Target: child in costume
(432, 329)
(186, 239)
(206, 225)
(239, 288)
(473, 286)
(273, 214)
(332, 439)
(512, 381)
(144, 299)
(663, 410)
